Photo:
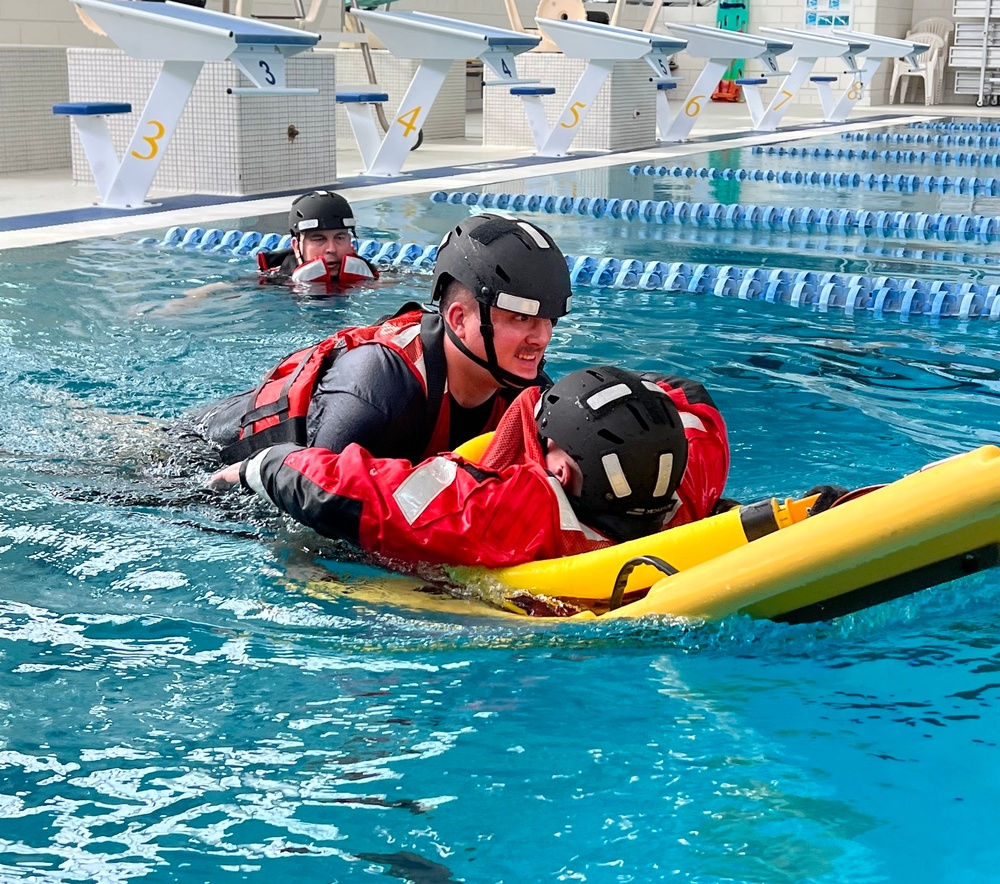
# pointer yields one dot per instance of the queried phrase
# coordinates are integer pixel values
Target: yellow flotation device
(773, 560)
(475, 448)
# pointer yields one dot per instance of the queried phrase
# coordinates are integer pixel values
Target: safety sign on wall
(828, 13)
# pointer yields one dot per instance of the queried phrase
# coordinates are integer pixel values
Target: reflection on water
(195, 688)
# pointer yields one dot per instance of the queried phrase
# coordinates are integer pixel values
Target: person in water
(600, 457)
(425, 380)
(321, 259)
(322, 253)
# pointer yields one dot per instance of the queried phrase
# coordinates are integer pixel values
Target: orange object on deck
(727, 91)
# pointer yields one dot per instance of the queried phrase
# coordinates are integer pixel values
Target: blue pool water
(187, 697)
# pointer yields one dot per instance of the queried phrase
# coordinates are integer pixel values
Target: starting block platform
(601, 46)
(437, 42)
(879, 49)
(807, 48)
(720, 48)
(184, 38)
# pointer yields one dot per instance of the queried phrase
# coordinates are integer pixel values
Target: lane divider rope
(850, 293)
(911, 225)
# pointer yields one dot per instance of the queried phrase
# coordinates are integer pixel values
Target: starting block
(602, 46)
(879, 49)
(720, 47)
(807, 49)
(183, 38)
(437, 42)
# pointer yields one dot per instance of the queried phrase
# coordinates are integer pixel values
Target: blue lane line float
(850, 293)
(956, 127)
(909, 138)
(948, 227)
(989, 186)
(967, 158)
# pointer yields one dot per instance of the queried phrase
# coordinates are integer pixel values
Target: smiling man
(425, 380)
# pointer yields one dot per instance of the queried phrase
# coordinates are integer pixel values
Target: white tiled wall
(226, 144)
(33, 78)
(623, 115)
(447, 116)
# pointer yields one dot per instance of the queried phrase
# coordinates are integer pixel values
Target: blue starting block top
(665, 85)
(242, 30)
(751, 81)
(360, 97)
(533, 90)
(91, 108)
(823, 79)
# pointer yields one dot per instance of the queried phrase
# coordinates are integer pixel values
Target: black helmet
(628, 439)
(320, 210)
(506, 263)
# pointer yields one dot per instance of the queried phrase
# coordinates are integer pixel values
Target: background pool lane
(181, 701)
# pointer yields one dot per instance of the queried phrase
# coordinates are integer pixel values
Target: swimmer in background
(322, 226)
(600, 457)
(321, 259)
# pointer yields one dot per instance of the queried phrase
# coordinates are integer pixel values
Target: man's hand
(226, 478)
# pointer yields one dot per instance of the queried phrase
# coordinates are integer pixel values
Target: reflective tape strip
(422, 486)
(616, 475)
(567, 518)
(308, 224)
(649, 385)
(252, 476)
(516, 304)
(357, 266)
(406, 336)
(663, 477)
(535, 234)
(607, 395)
(692, 421)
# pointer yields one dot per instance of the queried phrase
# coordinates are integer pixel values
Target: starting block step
(751, 81)
(91, 108)
(360, 97)
(665, 85)
(823, 79)
(533, 90)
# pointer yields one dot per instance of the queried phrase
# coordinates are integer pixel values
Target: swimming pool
(182, 701)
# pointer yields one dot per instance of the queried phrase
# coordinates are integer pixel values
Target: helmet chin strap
(504, 378)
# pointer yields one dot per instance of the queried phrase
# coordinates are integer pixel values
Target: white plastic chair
(940, 26)
(932, 73)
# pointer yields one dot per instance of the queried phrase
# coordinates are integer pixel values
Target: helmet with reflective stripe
(628, 439)
(506, 263)
(320, 210)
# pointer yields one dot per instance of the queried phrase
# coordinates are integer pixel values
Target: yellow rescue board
(924, 529)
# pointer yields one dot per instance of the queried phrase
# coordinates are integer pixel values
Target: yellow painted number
(693, 106)
(574, 109)
(788, 97)
(409, 120)
(151, 140)
(856, 91)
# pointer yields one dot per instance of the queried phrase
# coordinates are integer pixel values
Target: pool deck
(47, 207)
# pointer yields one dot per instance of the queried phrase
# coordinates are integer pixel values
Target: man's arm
(442, 511)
